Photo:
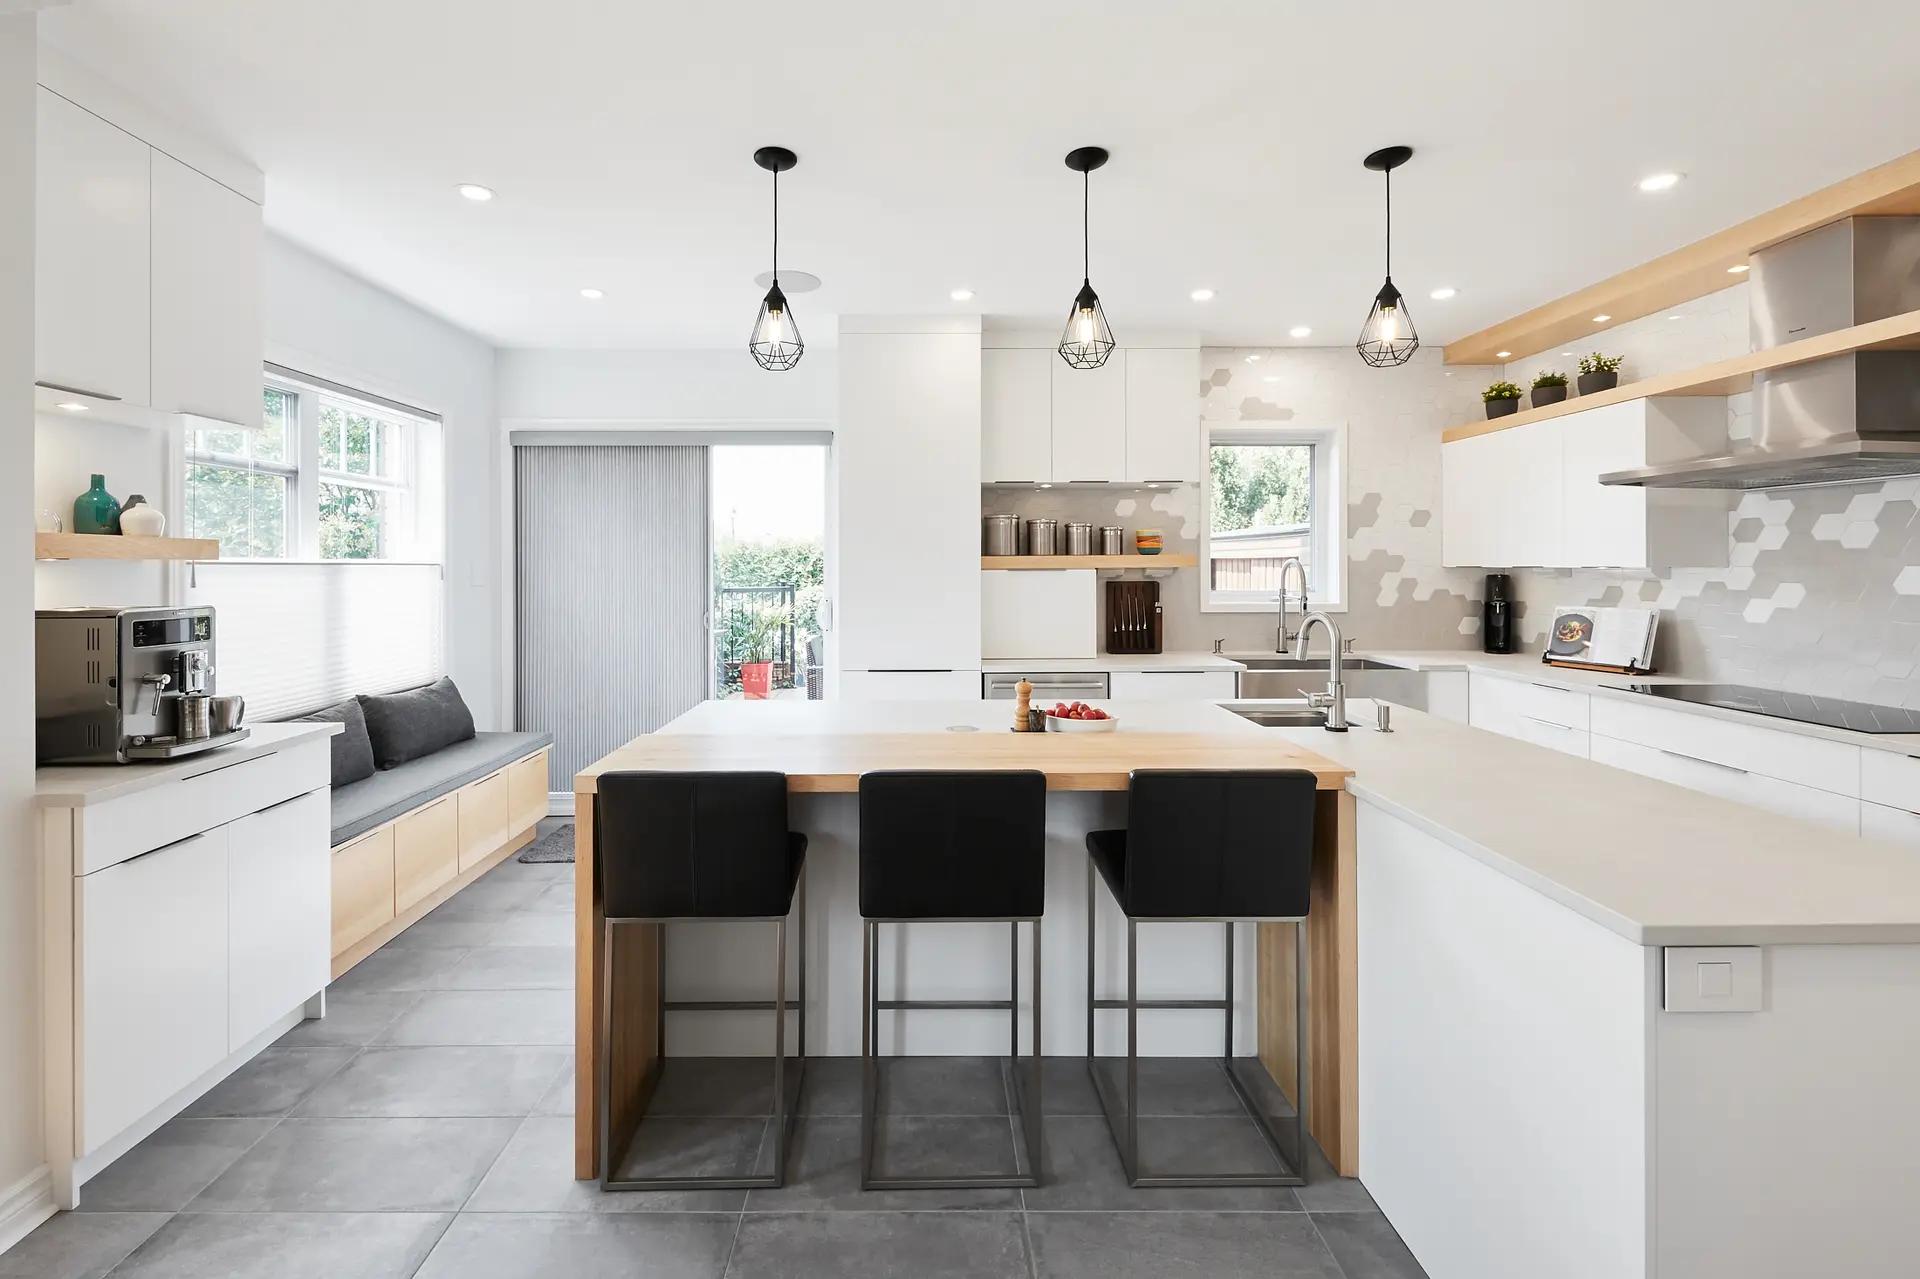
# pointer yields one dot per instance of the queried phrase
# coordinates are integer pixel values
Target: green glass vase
(95, 511)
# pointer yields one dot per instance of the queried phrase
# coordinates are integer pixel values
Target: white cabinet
(1467, 508)
(278, 868)
(1016, 414)
(1837, 812)
(907, 450)
(1889, 778)
(151, 949)
(91, 247)
(1160, 686)
(1796, 758)
(1501, 500)
(1895, 825)
(1537, 713)
(1090, 421)
(909, 686)
(1163, 415)
(207, 345)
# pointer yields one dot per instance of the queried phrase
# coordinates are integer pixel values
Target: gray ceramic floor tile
(360, 1165)
(583, 1246)
(1182, 1086)
(709, 1147)
(853, 1245)
(391, 970)
(536, 928)
(556, 898)
(1366, 1246)
(434, 933)
(823, 1168)
(272, 1083)
(490, 897)
(168, 1169)
(1327, 1191)
(1084, 1172)
(513, 968)
(535, 1174)
(287, 1245)
(717, 1086)
(78, 1245)
(1067, 1089)
(1151, 1245)
(558, 1099)
(424, 1082)
(909, 1086)
(352, 1019)
(485, 1018)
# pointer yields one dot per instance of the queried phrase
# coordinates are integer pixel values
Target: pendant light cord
(1389, 177)
(1086, 223)
(776, 228)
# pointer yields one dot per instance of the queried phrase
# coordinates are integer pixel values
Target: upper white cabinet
(1531, 495)
(207, 346)
(1163, 415)
(91, 276)
(1090, 420)
(1016, 413)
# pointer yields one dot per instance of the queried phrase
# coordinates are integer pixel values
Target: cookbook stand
(1566, 663)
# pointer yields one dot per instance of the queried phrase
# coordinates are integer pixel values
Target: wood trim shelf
(1162, 560)
(112, 546)
(1696, 270)
(1723, 377)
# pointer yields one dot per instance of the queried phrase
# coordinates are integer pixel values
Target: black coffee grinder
(1496, 625)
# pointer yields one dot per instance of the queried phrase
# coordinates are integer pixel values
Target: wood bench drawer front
(362, 887)
(139, 823)
(426, 850)
(1890, 779)
(1789, 757)
(483, 817)
(527, 790)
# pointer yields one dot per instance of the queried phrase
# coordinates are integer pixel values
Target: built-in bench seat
(360, 806)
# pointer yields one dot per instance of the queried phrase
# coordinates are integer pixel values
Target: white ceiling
(619, 138)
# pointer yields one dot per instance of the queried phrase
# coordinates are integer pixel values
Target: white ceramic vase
(140, 519)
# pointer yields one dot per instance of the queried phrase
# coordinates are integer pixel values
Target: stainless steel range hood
(1841, 420)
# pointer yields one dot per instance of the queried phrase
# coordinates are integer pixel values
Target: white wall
(687, 388)
(21, 1139)
(324, 321)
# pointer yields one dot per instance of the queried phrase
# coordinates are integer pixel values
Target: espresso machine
(119, 685)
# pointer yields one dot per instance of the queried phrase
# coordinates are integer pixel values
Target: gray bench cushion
(360, 807)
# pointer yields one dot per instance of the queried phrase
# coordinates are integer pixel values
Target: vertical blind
(612, 569)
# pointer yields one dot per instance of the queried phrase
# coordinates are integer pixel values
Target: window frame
(286, 470)
(1327, 566)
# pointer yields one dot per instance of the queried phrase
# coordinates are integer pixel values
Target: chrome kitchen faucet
(1282, 638)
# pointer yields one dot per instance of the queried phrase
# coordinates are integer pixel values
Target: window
(1270, 495)
(240, 483)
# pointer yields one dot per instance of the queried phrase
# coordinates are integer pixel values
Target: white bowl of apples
(1078, 717)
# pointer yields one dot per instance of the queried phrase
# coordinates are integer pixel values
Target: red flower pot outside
(756, 680)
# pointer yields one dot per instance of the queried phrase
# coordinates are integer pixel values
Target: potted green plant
(1599, 372)
(755, 637)
(1549, 387)
(1502, 398)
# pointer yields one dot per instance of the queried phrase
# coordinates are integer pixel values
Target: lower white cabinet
(1895, 825)
(1156, 686)
(278, 945)
(902, 686)
(1539, 713)
(1838, 812)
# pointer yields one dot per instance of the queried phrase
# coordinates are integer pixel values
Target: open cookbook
(1603, 639)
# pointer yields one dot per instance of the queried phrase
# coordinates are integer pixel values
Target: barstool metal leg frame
(1026, 1097)
(1126, 1133)
(783, 1113)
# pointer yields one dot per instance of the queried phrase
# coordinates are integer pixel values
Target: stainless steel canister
(1079, 539)
(1000, 535)
(1042, 535)
(1113, 540)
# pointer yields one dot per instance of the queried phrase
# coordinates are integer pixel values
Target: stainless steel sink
(1310, 664)
(1294, 677)
(1278, 717)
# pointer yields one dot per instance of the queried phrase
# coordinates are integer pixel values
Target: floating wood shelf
(1723, 377)
(1694, 271)
(112, 546)
(1162, 560)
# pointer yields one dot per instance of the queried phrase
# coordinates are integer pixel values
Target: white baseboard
(560, 803)
(24, 1205)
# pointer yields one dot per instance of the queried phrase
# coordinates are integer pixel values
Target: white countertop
(1108, 662)
(77, 785)
(831, 717)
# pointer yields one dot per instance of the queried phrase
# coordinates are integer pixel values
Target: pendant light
(775, 343)
(1388, 338)
(1088, 339)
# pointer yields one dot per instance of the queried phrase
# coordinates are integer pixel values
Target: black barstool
(1206, 847)
(699, 846)
(952, 847)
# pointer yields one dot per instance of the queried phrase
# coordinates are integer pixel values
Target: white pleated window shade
(293, 637)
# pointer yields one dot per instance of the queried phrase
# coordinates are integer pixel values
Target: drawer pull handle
(1565, 728)
(1710, 763)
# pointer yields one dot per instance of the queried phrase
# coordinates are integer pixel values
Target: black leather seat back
(953, 845)
(700, 845)
(1219, 844)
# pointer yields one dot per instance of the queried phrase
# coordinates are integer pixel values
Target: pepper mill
(1022, 709)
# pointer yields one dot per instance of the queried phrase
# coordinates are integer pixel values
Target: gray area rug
(554, 846)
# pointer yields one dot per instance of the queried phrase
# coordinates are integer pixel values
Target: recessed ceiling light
(1602, 318)
(72, 406)
(592, 295)
(1299, 331)
(1201, 295)
(961, 295)
(1271, 377)
(475, 192)
(1501, 355)
(1660, 182)
(1254, 358)
(1738, 269)
(1442, 294)
(1566, 352)
(1676, 316)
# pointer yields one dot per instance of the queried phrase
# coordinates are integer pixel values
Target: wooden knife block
(1133, 616)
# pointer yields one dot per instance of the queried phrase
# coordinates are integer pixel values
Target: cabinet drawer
(527, 791)
(362, 887)
(1895, 825)
(1551, 734)
(1890, 779)
(426, 851)
(1553, 705)
(1790, 757)
(278, 920)
(1171, 685)
(483, 817)
(1757, 790)
(126, 827)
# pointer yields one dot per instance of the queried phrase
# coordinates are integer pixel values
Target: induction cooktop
(1861, 717)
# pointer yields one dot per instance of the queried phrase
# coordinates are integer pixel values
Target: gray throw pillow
(352, 749)
(417, 722)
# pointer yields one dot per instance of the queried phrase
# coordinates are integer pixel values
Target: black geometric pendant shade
(775, 341)
(1088, 339)
(1388, 337)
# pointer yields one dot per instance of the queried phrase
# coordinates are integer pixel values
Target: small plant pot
(1591, 382)
(1502, 408)
(756, 680)
(1544, 395)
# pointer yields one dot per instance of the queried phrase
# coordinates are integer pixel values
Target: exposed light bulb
(1389, 323)
(774, 327)
(1083, 329)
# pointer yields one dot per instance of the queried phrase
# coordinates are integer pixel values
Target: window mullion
(306, 494)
